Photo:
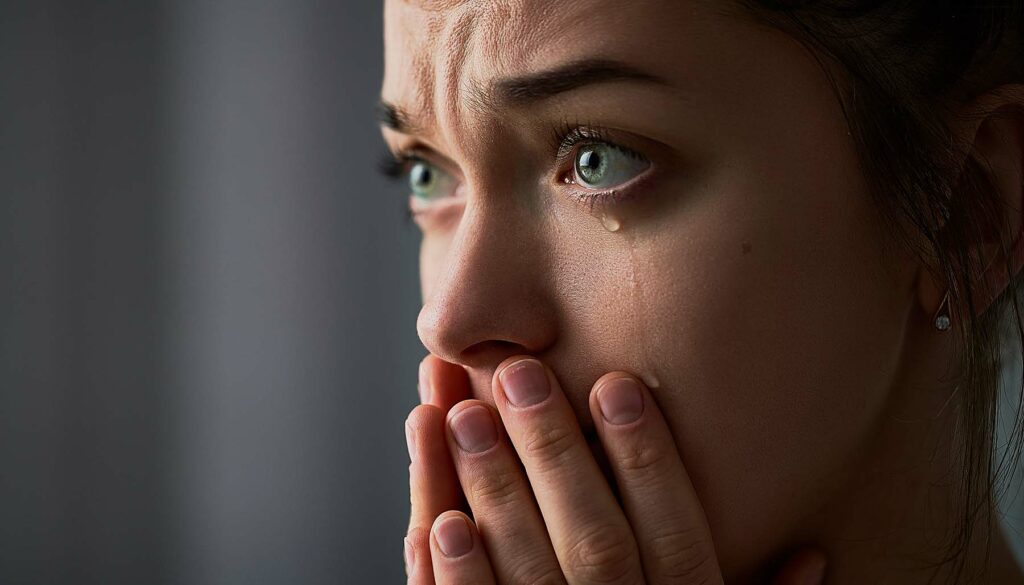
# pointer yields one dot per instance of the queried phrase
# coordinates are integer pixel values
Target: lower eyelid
(423, 207)
(437, 216)
(623, 193)
(598, 200)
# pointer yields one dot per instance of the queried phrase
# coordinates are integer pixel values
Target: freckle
(746, 247)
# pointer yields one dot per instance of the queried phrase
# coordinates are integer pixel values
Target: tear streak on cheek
(646, 368)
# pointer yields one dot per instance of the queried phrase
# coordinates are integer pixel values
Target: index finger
(588, 530)
(661, 505)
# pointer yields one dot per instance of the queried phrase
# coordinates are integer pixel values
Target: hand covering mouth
(602, 460)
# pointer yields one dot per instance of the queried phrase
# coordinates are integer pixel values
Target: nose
(491, 299)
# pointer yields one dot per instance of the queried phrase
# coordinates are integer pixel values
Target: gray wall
(209, 298)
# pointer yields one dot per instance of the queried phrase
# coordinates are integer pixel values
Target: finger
(806, 567)
(442, 384)
(418, 567)
(591, 537)
(660, 503)
(506, 514)
(456, 552)
(433, 483)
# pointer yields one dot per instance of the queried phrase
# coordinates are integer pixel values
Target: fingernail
(620, 400)
(453, 537)
(525, 382)
(424, 384)
(410, 556)
(410, 440)
(474, 429)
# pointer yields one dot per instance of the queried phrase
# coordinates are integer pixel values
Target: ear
(992, 129)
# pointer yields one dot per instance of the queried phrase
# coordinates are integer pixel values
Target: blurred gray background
(208, 300)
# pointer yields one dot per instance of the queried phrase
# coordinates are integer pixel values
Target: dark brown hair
(904, 68)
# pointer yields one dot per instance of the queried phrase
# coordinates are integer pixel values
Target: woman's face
(732, 256)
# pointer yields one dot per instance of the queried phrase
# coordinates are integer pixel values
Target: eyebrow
(393, 116)
(531, 88)
(518, 91)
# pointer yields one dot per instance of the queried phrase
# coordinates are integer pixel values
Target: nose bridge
(489, 300)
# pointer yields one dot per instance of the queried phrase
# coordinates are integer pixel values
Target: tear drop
(610, 223)
(651, 381)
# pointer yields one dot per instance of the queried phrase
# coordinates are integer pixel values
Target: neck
(897, 516)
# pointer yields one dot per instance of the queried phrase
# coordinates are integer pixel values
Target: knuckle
(683, 555)
(548, 443)
(424, 416)
(419, 538)
(604, 554)
(643, 459)
(494, 487)
(536, 574)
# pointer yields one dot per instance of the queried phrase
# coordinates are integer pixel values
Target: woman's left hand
(544, 512)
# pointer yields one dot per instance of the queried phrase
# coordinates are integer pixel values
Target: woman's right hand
(435, 486)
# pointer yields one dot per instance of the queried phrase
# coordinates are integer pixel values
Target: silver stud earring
(941, 319)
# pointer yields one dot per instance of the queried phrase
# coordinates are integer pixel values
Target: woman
(754, 255)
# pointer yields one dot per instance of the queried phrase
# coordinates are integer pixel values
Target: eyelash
(564, 138)
(396, 167)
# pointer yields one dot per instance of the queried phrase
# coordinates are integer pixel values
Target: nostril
(490, 353)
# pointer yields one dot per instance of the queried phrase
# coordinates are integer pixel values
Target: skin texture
(577, 532)
(795, 361)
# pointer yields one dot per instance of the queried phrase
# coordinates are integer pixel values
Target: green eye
(603, 166)
(429, 182)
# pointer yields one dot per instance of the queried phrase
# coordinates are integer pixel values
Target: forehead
(437, 52)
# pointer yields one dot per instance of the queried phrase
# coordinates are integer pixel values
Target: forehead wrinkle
(454, 79)
(415, 89)
(459, 47)
(423, 93)
(510, 33)
(517, 30)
